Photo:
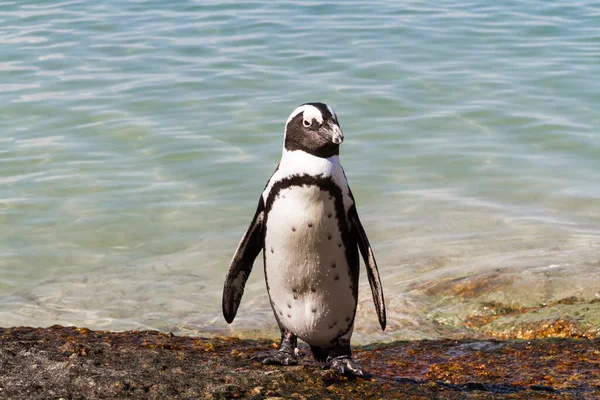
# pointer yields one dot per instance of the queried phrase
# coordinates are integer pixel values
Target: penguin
(309, 232)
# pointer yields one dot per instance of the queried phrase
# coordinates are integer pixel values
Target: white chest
(306, 267)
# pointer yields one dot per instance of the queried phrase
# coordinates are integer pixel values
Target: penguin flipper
(372, 271)
(242, 262)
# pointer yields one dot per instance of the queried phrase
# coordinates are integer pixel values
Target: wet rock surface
(76, 363)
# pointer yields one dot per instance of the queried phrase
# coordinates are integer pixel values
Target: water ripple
(138, 134)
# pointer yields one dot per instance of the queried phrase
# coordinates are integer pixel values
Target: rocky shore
(77, 363)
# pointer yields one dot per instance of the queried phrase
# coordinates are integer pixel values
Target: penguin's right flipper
(241, 264)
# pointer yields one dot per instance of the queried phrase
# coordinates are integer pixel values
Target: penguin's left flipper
(242, 262)
(372, 271)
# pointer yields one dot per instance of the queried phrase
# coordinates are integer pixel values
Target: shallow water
(136, 137)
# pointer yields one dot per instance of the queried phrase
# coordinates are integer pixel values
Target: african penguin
(308, 229)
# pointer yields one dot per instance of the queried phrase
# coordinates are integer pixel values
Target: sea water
(137, 136)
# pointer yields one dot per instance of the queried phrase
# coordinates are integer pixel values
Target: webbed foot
(338, 358)
(287, 353)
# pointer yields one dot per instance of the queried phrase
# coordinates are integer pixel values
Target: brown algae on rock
(79, 363)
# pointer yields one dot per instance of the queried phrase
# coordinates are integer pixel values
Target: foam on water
(136, 137)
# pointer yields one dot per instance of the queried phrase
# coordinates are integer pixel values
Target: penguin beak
(333, 133)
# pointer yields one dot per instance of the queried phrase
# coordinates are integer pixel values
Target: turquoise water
(136, 137)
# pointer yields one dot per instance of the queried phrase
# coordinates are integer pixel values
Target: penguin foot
(287, 353)
(277, 358)
(344, 365)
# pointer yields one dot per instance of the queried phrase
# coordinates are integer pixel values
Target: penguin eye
(307, 123)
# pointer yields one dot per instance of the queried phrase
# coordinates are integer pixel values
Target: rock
(73, 363)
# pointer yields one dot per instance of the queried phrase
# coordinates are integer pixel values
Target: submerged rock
(76, 363)
(567, 318)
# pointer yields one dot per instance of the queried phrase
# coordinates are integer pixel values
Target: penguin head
(314, 129)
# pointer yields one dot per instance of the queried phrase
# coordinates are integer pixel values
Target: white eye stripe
(310, 113)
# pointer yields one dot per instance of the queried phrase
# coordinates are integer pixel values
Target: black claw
(277, 358)
(345, 366)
